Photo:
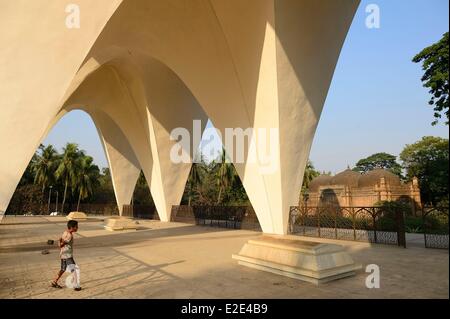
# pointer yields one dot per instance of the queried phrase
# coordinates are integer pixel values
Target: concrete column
(172, 109)
(124, 166)
(284, 61)
(38, 63)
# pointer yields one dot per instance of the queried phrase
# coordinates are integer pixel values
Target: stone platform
(120, 223)
(309, 261)
(78, 216)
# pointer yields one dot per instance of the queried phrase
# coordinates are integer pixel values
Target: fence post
(335, 224)
(354, 223)
(292, 215)
(424, 222)
(374, 217)
(401, 234)
(227, 216)
(318, 222)
(303, 217)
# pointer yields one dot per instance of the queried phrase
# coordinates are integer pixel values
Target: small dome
(370, 179)
(319, 181)
(348, 178)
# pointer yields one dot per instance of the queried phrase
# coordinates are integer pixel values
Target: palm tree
(309, 175)
(66, 170)
(195, 178)
(142, 181)
(225, 174)
(44, 166)
(87, 177)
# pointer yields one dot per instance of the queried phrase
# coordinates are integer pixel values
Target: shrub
(386, 223)
(436, 224)
(413, 224)
(389, 208)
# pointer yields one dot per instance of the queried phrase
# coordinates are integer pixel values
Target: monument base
(309, 261)
(78, 216)
(120, 223)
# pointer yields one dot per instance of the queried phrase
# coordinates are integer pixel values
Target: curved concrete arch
(124, 166)
(146, 125)
(38, 46)
(213, 81)
(262, 64)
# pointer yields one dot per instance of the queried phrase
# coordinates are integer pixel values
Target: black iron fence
(435, 227)
(235, 217)
(368, 224)
(43, 209)
(94, 209)
(381, 225)
(140, 211)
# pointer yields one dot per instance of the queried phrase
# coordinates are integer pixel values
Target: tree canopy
(428, 160)
(381, 161)
(71, 176)
(215, 183)
(309, 175)
(435, 64)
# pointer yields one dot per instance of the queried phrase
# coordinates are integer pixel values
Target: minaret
(384, 189)
(415, 195)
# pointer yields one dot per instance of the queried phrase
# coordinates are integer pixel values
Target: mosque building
(353, 189)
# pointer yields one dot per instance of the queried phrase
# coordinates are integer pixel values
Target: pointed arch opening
(68, 172)
(214, 194)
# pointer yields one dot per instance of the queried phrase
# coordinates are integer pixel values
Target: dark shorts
(66, 262)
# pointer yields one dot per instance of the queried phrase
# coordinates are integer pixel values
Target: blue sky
(376, 102)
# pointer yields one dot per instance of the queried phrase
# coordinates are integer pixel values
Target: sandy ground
(174, 260)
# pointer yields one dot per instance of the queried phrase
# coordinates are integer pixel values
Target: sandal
(55, 285)
(77, 289)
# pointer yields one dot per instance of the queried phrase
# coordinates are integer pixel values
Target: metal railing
(94, 209)
(234, 217)
(435, 227)
(140, 211)
(368, 224)
(90, 209)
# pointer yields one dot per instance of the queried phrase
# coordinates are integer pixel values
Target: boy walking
(66, 254)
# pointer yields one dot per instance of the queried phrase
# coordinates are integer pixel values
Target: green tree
(44, 166)
(66, 171)
(237, 194)
(105, 191)
(379, 161)
(142, 181)
(26, 199)
(435, 64)
(28, 176)
(142, 194)
(309, 175)
(195, 179)
(225, 174)
(105, 177)
(86, 178)
(428, 160)
(214, 183)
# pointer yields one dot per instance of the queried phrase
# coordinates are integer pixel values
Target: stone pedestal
(120, 223)
(78, 216)
(304, 260)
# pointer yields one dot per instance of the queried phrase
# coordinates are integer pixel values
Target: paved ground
(163, 260)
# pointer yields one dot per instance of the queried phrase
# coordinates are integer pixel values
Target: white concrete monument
(143, 68)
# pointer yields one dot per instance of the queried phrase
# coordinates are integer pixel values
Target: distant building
(352, 189)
